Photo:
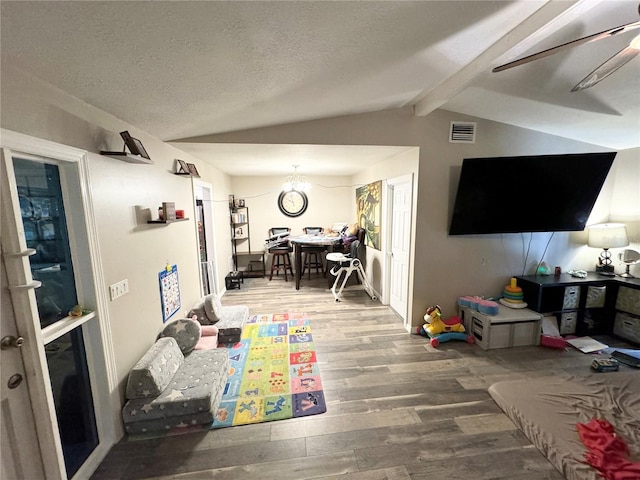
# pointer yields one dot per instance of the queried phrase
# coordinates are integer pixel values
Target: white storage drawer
(571, 298)
(568, 322)
(596, 297)
(627, 326)
(628, 300)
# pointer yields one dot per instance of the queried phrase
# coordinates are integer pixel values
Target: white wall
(447, 267)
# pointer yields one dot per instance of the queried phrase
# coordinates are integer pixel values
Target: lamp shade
(608, 235)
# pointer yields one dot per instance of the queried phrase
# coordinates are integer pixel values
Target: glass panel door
(43, 218)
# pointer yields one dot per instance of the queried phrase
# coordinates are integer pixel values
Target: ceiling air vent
(462, 132)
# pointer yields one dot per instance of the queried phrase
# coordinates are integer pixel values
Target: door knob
(11, 342)
(14, 380)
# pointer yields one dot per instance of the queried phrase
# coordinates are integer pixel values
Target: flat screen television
(543, 193)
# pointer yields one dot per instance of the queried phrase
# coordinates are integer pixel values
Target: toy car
(605, 365)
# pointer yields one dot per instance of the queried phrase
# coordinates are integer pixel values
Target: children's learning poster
(169, 291)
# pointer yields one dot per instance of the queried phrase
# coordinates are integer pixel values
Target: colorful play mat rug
(273, 373)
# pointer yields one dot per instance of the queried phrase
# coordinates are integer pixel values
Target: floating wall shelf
(165, 222)
(127, 157)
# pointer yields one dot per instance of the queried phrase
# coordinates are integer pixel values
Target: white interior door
(400, 247)
(20, 454)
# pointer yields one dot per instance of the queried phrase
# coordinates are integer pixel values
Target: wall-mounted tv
(543, 193)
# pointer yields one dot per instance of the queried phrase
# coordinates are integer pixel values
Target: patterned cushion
(201, 316)
(213, 307)
(153, 372)
(192, 395)
(168, 423)
(185, 331)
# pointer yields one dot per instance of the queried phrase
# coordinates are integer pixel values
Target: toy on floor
(512, 295)
(439, 330)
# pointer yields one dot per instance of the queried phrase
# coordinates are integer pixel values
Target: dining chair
(312, 256)
(280, 253)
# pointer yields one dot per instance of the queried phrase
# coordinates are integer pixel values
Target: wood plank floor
(397, 409)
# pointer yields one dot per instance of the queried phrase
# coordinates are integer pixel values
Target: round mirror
(629, 257)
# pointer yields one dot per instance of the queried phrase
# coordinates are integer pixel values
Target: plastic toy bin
(511, 327)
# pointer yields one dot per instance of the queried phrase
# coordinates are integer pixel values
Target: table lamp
(606, 236)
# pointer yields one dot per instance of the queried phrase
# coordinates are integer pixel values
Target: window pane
(67, 361)
(45, 229)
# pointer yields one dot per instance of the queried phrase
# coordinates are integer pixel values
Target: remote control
(626, 359)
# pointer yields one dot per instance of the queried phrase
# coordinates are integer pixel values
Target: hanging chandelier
(296, 182)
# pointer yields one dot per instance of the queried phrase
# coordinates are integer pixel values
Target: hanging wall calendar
(169, 291)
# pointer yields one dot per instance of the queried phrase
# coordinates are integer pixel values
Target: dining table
(309, 240)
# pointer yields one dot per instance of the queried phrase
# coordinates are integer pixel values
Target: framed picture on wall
(182, 167)
(134, 145)
(193, 170)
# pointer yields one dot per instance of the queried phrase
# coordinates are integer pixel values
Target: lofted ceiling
(184, 69)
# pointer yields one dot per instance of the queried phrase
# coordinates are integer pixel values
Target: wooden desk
(309, 241)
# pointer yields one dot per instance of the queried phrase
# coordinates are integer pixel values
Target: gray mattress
(547, 410)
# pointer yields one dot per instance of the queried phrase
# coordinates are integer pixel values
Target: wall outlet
(119, 289)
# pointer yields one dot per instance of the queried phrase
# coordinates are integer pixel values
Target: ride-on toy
(439, 330)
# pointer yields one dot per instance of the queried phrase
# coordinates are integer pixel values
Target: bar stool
(280, 254)
(312, 255)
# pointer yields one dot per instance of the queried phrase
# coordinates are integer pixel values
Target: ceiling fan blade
(607, 68)
(565, 46)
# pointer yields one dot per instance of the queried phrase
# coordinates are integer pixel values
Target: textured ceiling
(183, 69)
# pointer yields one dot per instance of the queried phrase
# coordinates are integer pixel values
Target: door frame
(210, 234)
(74, 178)
(390, 183)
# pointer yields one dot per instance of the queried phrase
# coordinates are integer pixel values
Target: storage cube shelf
(579, 304)
(594, 305)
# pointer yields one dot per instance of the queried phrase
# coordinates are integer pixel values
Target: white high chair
(347, 264)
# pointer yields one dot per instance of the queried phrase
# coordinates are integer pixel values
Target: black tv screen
(544, 193)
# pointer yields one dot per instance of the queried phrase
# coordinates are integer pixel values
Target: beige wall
(331, 200)
(403, 164)
(121, 192)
